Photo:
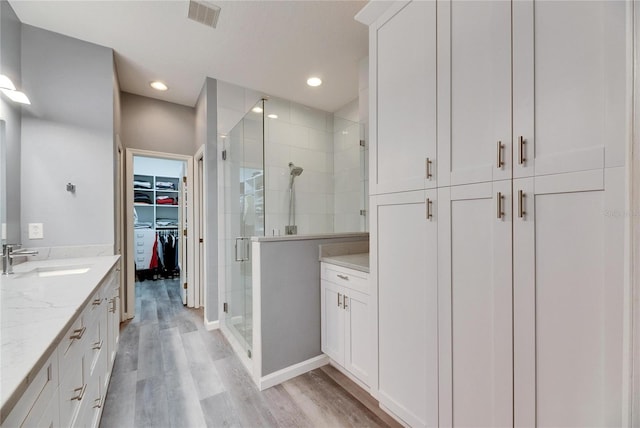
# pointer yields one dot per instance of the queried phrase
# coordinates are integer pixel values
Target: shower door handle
(238, 259)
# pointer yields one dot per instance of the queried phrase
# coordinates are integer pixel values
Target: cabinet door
(358, 349)
(475, 310)
(403, 58)
(333, 321)
(568, 299)
(570, 85)
(405, 245)
(474, 91)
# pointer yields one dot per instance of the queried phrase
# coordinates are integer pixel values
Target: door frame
(121, 229)
(130, 293)
(199, 230)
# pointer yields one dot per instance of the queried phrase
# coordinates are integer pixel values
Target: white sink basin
(49, 271)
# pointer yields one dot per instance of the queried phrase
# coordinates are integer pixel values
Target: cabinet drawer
(72, 391)
(350, 278)
(40, 391)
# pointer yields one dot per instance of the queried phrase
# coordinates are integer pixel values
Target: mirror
(3, 193)
(10, 126)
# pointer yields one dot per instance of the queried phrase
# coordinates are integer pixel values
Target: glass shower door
(244, 200)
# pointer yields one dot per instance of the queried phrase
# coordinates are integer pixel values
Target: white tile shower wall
(304, 136)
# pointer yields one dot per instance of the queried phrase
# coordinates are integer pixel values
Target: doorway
(159, 215)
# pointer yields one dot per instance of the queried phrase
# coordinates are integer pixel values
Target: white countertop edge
(309, 237)
(9, 400)
(350, 261)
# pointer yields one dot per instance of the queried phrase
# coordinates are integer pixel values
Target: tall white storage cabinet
(404, 68)
(406, 247)
(509, 267)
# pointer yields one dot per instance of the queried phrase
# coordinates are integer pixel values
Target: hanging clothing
(154, 255)
(170, 253)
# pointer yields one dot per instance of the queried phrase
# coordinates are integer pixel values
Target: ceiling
(268, 46)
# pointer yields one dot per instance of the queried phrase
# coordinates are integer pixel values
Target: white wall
(150, 124)
(67, 136)
(154, 166)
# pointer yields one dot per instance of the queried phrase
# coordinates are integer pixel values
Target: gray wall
(206, 133)
(67, 136)
(10, 112)
(290, 289)
(150, 124)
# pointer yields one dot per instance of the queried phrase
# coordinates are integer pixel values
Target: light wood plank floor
(171, 372)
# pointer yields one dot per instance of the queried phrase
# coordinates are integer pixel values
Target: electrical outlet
(36, 231)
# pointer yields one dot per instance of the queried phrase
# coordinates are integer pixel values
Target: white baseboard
(211, 325)
(290, 372)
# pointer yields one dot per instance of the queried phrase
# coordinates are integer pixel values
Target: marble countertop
(35, 312)
(358, 262)
(364, 235)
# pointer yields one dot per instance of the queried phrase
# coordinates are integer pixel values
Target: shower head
(294, 170)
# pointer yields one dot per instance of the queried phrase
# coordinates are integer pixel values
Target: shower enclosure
(244, 216)
(288, 169)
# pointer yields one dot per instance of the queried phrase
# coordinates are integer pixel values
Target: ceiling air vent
(204, 12)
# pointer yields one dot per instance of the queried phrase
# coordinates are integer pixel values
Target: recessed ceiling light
(6, 83)
(314, 81)
(272, 116)
(257, 109)
(16, 96)
(158, 85)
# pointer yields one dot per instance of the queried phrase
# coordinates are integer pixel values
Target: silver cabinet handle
(238, 259)
(97, 403)
(500, 162)
(112, 302)
(521, 211)
(499, 204)
(345, 277)
(96, 302)
(521, 158)
(346, 304)
(79, 392)
(78, 333)
(429, 212)
(427, 166)
(98, 345)
(339, 300)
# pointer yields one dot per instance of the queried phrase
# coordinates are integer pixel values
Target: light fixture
(6, 83)
(16, 96)
(272, 116)
(158, 85)
(257, 109)
(314, 81)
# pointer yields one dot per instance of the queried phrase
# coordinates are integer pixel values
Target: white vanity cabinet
(346, 320)
(70, 389)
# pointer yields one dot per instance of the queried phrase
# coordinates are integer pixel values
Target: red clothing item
(154, 256)
(166, 201)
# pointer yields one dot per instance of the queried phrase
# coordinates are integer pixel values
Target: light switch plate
(36, 231)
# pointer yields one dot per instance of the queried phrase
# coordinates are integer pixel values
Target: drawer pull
(98, 345)
(97, 403)
(112, 309)
(345, 277)
(339, 300)
(346, 302)
(97, 302)
(79, 392)
(78, 333)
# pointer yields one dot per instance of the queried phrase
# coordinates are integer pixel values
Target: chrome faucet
(8, 253)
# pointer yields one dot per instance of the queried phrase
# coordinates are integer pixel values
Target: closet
(158, 205)
(498, 149)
